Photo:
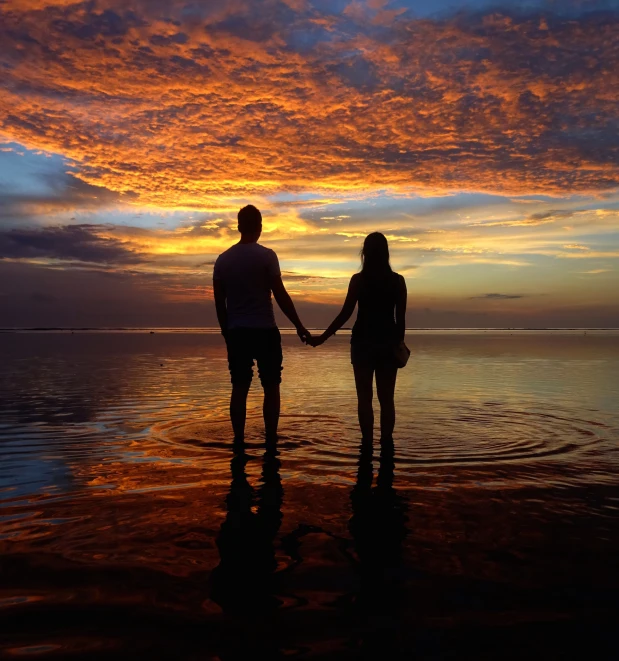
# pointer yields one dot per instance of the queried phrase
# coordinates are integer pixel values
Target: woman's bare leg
(364, 377)
(385, 388)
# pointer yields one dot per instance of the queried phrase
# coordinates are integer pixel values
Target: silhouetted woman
(378, 526)
(378, 331)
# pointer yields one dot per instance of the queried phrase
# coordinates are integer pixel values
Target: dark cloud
(291, 276)
(554, 214)
(542, 218)
(82, 243)
(205, 227)
(92, 24)
(498, 297)
(162, 40)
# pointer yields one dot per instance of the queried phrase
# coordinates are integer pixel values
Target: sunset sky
(481, 137)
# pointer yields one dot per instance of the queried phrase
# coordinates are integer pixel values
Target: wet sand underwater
(131, 527)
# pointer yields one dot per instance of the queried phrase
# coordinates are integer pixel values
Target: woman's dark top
(376, 312)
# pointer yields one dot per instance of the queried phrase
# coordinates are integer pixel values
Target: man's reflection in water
(242, 583)
(378, 529)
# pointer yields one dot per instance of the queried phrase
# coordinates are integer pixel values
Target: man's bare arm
(220, 305)
(400, 310)
(287, 306)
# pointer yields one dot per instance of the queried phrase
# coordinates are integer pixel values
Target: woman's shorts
(372, 354)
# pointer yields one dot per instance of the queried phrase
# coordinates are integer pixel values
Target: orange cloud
(188, 109)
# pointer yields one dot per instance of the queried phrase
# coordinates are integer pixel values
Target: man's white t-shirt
(246, 271)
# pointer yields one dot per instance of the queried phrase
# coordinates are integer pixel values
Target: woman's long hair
(375, 256)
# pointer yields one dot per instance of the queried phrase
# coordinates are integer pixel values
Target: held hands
(317, 341)
(306, 337)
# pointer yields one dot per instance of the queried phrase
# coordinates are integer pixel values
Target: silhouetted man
(243, 279)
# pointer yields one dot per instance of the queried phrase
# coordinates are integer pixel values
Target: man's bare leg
(238, 409)
(270, 410)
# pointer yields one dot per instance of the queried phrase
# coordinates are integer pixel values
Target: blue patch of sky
(592, 204)
(332, 7)
(596, 239)
(146, 219)
(29, 172)
(286, 196)
(436, 8)
(442, 8)
(449, 208)
(32, 174)
(394, 206)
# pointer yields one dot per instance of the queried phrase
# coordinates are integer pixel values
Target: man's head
(250, 223)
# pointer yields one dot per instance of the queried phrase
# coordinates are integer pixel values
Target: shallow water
(130, 527)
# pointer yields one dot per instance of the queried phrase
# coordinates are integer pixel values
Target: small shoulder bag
(401, 353)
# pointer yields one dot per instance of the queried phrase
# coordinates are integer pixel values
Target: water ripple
(439, 433)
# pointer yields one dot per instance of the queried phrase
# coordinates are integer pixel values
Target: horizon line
(10, 329)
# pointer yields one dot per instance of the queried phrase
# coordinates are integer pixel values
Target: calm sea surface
(130, 528)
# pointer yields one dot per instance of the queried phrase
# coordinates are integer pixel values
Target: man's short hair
(250, 219)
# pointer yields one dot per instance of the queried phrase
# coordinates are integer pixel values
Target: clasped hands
(306, 338)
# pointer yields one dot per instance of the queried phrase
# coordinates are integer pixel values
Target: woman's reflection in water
(242, 583)
(378, 529)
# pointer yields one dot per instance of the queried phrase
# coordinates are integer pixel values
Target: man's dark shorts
(264, 345)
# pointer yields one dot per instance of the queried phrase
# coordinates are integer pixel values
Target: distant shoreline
(208, 329)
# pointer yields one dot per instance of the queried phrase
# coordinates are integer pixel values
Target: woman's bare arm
(347, 309)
